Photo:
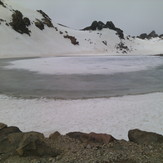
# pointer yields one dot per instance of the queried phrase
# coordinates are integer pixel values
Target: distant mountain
(26, 33)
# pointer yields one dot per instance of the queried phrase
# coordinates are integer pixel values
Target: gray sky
(133, 16)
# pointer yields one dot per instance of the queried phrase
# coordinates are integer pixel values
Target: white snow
(50, 42)
(87, 65)
(114, 115)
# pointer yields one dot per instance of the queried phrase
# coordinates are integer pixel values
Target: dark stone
(27, 21)
(2, 125)
(72, 39)
(143, 36)
(121, 46)
(33, 144)
(161, 36)
(39, 24)
(100, 25)
(143, 137)
(46, 19)
(55, 135)
(18, 23)
(120, 33)
(6, 145)
(91, 137)
(153, 34)
(110, 25)
(8, 130)
(94, 25)
(1, 3)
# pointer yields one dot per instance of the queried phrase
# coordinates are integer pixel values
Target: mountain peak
(99, 25)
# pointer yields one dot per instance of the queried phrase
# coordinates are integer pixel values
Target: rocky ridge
(149, 36)
(76, 147)
(98, 25)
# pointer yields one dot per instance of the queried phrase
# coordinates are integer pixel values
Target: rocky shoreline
(76, 147)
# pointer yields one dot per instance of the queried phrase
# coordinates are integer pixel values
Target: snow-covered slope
(39, 37)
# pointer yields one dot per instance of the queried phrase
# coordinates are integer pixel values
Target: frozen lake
(81, 77)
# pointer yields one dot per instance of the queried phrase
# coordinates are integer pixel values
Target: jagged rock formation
(151, 35)
(99, 37)
(100, 25)
(20, 23)
(78, 147)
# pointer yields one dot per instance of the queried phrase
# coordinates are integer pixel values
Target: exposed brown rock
(143, 137)
(92, 137)
(72, 39)
(39, 24)
(2, 125)
(55, 135)
(33, 144)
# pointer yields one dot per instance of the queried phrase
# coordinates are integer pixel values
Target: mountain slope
(26, 33)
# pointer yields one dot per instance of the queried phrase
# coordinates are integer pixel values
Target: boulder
(8, 130)
(2, 125)
(34, 144)
(26, 21)
(55, 135)
(100, 138)
(91, 137)
(7, 146)
(39, 24)
(143, 137)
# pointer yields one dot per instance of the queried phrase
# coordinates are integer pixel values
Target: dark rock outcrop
(46, 20)
(1, 3)
(151, 35)
(77, 147)
(14, 142)
(161, 36)
(19, 23)
(2, 125)
(143, 36)
(122, 47)
(72, 39)
(100, 25)
(55, 135)
(91, 137)
(39, 24)
(143, 137)
(33, 144)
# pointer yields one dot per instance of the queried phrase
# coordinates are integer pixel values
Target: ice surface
(87, 65)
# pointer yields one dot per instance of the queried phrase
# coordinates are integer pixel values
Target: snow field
(114, 115)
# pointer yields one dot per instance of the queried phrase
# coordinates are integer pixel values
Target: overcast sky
(133, 16)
